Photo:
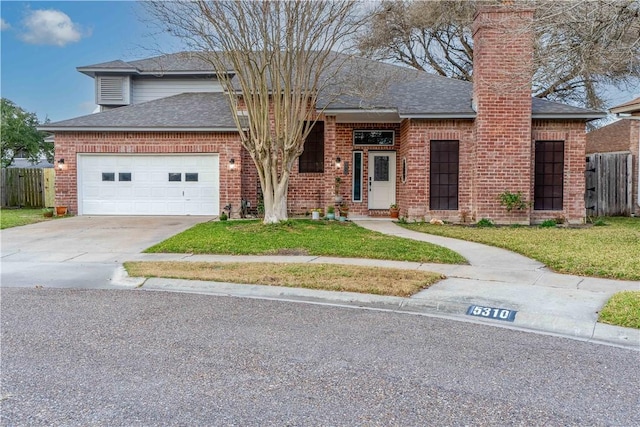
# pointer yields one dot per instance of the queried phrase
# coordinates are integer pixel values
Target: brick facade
(502, 72)
(69, 144)
(496, 149)
(573, 135)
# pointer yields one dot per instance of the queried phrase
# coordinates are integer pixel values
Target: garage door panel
(149, 191)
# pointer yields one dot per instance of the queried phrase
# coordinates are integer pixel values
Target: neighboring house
(622, 136)
(22, 162)
(166, 143)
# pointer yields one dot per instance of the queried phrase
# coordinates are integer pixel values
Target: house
(622, 136)
(165, 141)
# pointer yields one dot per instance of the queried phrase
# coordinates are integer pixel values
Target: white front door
(382, 179)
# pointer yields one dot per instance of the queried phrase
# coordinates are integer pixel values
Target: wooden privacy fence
(31, 188)
(608, 180)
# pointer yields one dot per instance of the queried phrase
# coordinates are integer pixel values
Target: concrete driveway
(83, 251)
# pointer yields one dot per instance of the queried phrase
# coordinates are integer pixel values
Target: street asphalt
(87, 252)
(78, 357)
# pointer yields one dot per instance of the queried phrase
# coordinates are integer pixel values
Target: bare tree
(273, 60)
(581, 45)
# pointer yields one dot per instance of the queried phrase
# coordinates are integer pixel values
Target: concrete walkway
(495, 278)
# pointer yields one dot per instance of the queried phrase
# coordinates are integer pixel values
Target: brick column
(502, 72)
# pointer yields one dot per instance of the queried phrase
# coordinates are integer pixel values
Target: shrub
(223, 216)
(549, 223)
(485, 222)
(513, 201)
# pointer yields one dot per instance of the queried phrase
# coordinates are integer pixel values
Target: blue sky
(43, 42)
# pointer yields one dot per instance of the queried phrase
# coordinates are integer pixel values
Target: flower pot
(394, 212)
(48, 214)
(338, 199)
(331, 216)
(342, 218)
(315, 215)
(61, 210)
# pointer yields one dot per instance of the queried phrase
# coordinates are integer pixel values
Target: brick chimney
(502, 72)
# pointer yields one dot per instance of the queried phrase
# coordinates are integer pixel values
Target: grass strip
(609, 251)
(302, 237)
(622, 309)
(329, 277)
(17, 217)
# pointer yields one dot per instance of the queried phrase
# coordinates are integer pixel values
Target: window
(403, 175)
(357, 176)
(549, 176)
(191, 177)
(443, 175)
(381, 168)
(312, 158)
(124, 176)
(373, 137)
(108, 176)
(174, 177)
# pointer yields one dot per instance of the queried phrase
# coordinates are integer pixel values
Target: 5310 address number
(492, 313)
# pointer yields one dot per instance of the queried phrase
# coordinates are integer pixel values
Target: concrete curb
(525, 321)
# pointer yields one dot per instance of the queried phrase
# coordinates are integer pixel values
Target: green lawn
(611, 251)
(15, 217)
(302, 237)
(623, 309)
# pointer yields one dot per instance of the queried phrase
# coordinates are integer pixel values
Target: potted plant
(394, 210)
(47, 212)
(331, 212)
(61, 210)
(344, 211)
(338, 197)
(315, 214)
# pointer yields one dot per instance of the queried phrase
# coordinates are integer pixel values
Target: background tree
(582, 46)
(19, 135)
(281, 55)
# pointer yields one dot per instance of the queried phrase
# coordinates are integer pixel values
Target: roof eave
(136, 129)
(91, 71)
(569, 116)
(439, 116)
(626, 109)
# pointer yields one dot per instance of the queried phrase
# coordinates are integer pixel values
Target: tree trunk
(274, 193)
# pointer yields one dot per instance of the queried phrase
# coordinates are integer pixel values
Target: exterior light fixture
(338, 162)
(61, 164)
(232, 164)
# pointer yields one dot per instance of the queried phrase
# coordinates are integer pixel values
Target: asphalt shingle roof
(184, 111)
(361, 84)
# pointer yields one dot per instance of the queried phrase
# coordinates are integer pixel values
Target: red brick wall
(502, 71)
(610, 138)
(413, 195)
(345, 148)
(69, 144)
(574, 137)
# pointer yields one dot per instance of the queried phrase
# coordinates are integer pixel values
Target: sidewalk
(544, 301)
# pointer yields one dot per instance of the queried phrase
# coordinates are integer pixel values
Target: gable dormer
(113, 90)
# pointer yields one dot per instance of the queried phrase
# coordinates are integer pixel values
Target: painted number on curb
(492, 313)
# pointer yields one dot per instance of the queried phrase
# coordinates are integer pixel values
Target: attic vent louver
(113, 90)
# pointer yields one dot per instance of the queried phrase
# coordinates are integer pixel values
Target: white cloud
(4, 25)
(50, 27)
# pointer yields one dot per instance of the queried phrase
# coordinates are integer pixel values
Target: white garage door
(122, 184)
